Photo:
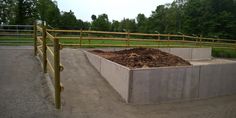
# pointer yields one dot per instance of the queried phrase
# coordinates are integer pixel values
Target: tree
(115, 26)
(25, 11)
(86, 25)
(101, 23)
(48, 11)
(213, 18)
(68, 20)
(7, 11)
(141, 23)
(128, 25)
(158, 20)
(93, 17)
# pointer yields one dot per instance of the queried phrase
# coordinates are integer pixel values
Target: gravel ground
(23, 93)
(22, 88)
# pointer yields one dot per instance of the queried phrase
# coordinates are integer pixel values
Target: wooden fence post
(80, 39)
(183, 37)
(213, 43)
(44, 49)
(57, 86)
(35, 38)
(200, 40)
(168, 40)
(128, 37)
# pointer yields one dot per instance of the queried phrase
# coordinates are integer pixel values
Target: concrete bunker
(206, 77)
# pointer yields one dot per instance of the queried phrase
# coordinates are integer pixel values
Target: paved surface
(22, 89)
(23, 93)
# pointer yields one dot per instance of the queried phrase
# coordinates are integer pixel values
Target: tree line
(210, 18)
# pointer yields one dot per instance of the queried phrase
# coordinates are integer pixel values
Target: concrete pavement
(23, 92)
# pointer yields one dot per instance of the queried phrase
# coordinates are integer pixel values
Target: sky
(115, 9)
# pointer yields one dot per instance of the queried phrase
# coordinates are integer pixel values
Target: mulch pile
(142, 58)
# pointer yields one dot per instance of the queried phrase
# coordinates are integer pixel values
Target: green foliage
(17, 11)
(6, 11)
(93, 17)
(25, 11)
(115, 26)
(224, 53)
(141, 23)
(212, 18)
(128, 25)
(101, 22)
(68, 20)
(49, 12)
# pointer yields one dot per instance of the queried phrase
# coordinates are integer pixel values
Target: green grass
(16, 41)
(224, 53)
(216, 52)
(70, 41)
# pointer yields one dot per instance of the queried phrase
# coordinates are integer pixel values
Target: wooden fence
(129, 39)
(48, 48)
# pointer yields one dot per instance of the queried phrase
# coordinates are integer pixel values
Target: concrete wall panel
(185, 53)
(158, 85)
(210, 76)
(140, 87)
(201, 53)
(95, 60)
(228, 79)
(165, 49)
(117, 76)
(175, 78)
(191, 83)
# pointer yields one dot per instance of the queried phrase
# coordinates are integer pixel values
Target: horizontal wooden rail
(192, 37)
(124, 39)
(112, 45)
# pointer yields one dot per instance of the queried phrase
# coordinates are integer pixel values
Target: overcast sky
(115, 9)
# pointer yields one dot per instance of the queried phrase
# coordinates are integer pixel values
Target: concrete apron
(169, 84)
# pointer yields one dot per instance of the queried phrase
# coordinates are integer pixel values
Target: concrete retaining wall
(217, 80)
(183, 83)
(116, 75)
(164, 84)
(167, 84)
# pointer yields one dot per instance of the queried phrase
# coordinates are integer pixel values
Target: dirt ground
(142, 58)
